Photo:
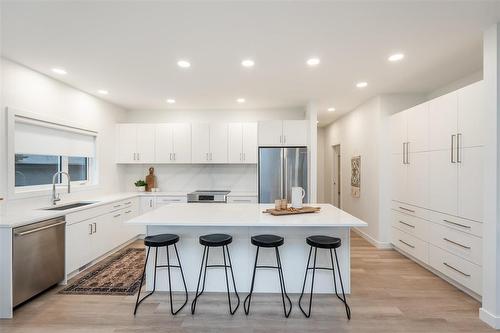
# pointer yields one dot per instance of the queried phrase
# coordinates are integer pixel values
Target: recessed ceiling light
(361, 84)
(331, 109)
(248, 63)
(313, 61)
(60, 71)
(240, 100)
(183, 64)
(103, 92)
(171, 101)
(396, 57)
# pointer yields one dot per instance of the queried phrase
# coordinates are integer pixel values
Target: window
(78, 168)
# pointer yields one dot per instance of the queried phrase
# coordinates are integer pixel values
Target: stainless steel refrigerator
(279, 170)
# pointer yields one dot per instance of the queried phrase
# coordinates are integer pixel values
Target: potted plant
(140, 185)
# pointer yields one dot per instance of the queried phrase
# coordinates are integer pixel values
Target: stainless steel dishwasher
(37, 257)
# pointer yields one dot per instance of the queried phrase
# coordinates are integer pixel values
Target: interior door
(443, 121)
(417, 179)
(249, 142)
(270, 174)
(470, 183)
(146, 143)
(398, 132)
(295, 171)
(418, 128)
(235, 143)
(127, 143)
(200, 138)
(164, 143)
(443, 182)
(399, 178)
(218, 143)
(182, 142)
(471, 109)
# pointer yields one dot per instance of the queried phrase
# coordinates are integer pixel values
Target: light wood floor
(390, 294)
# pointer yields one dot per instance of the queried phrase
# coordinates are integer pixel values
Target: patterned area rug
(119, 275)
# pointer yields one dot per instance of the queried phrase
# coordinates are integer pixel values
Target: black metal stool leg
(142, 281)
(249, 296)
(282, 285)
(204, 259)
(170, 282)
(308, 313)
(343, 298)
(183, 281)
(154, 280)
(304, 284)
(224, 250)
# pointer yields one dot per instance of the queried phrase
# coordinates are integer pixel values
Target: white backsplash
(195, 177)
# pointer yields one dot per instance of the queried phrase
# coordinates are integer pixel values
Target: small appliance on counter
(210, 196)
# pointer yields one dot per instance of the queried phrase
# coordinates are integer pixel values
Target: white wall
(322, 184)
(30, 91)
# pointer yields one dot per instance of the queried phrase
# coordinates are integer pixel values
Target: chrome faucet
(55, 197)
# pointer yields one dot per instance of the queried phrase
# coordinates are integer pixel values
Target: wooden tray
(292, 211)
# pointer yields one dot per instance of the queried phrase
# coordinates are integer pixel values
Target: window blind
(43, 138)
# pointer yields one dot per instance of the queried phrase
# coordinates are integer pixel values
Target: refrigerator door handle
(281, 173)
(285, 174)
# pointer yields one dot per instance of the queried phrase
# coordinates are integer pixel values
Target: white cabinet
(173, 143)
(242, 199)
(209, 143)
(242, 143)
(136, 143)
(410, 178)
(443, 121)
(78, 245)
(283, 133)
(399, 132)
(410, 130)
(443, 185)
(399, 173)
(470, 183)
(170, 200)
(471, 115)
(147, 204)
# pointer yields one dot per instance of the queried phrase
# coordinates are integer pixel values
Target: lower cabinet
(242, 199)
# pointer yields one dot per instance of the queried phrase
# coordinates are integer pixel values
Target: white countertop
(243, 215)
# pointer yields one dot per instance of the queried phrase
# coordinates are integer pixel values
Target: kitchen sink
(70, 206)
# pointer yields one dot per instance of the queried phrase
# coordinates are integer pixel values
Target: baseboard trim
(490, 319)
(379, 245)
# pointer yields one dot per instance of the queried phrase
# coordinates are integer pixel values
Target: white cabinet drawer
(410, 244)
(410, 224)
(248, 199)
(458, 269)
(463, 245)
(171, 200)
(409, 209)
(457, 223)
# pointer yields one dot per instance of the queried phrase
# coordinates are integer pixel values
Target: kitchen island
(242, 221)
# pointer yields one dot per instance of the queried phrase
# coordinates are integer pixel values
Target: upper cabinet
(209, 143)
(443, 121)
(283, 133)
(409, 130)
(173, 143)
(242, 146)
(471, 115)
(136, 143)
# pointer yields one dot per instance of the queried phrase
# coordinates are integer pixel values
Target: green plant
(140, 182)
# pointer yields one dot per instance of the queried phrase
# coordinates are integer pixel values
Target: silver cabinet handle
(455, 269)
(117, 215)
(408, 210)
(407, 244)
(95, 227)
(407, 224)
(38, 229)
(244, 156)
(284, 138)
(91, 229)
(150, 203)
(170, 156)
(408, 153)
(117, 206)
(138, 156)
(281, 138)
(128, 212)
(404, 152)
(174, 156)
(453, 148)
(457, 244)
(241, 156)
(134, 156)
(210, 156)
(207, 157)
(459, 144)
(457, 224)
(128, 203)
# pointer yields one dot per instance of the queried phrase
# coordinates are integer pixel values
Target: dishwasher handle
(24, 233)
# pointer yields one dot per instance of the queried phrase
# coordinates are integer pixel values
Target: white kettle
(298, 194)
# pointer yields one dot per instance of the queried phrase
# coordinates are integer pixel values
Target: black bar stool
(268, 241)
(323, 242)
(156, 241)
(215, 240)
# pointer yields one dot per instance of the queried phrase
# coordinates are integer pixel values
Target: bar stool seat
(323, 242)
(214, 240)
(161, 240)
(267, 240)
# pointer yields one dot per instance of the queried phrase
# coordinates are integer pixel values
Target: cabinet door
(398, 132)
(398, 178)
(164, 143)
(127, 143)
(235, 143)
(271, 133)
(182, 143)
(418, 128)
(295, 132)
(218, 143)
(146, 143)
(443, 182)
(442, 121)
(147, 204)
(77, 245)
(470, 183)
(249, 142)
(200, 138)
(471, 109)
(417, 184)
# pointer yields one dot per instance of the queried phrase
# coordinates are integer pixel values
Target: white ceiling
(131, 49)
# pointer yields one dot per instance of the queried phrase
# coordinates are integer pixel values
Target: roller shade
(42, 138)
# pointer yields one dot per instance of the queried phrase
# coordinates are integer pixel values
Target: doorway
(336, 186)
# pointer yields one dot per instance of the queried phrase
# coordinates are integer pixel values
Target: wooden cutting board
(292, 211)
